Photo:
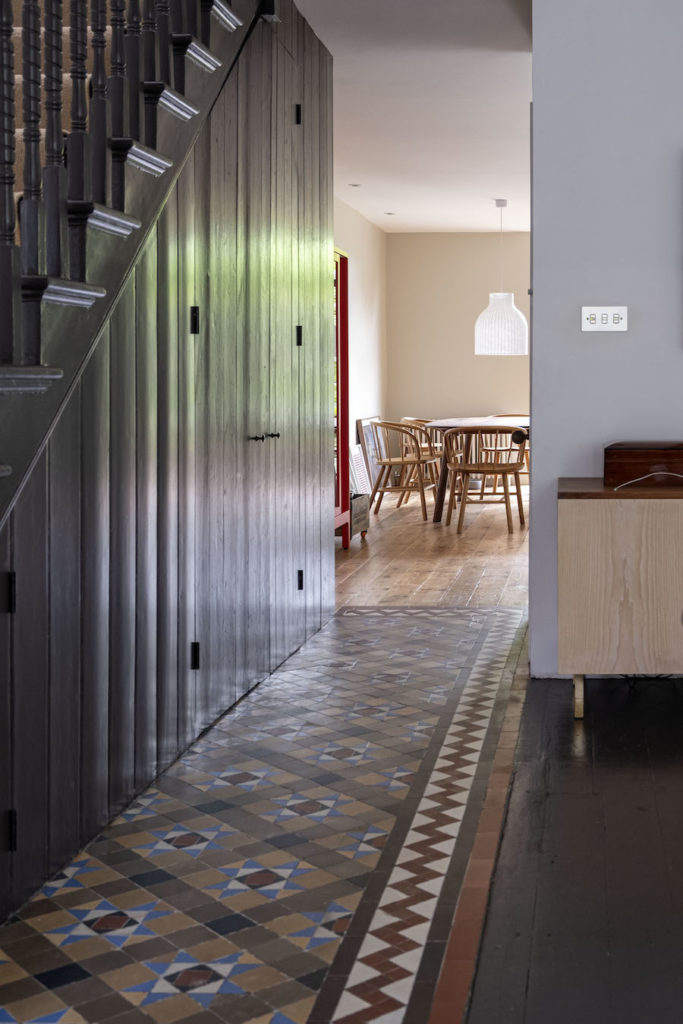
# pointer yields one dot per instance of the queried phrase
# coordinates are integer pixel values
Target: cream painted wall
(365, 245)
(437, 284)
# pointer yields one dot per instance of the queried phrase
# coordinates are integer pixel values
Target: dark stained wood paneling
(95, 563)
(153, 521)
(64, 465)
(167, 551)
(122, 589)
(287, 601)
(5, 728)
(187, 372)
(226, 326)
(208, 519)
(146, 523)
(30, 695)
(258, 496)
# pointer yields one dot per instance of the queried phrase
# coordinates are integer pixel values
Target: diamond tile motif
(256, 877)
(118, 926)
(184, 840)
(187, 975)
(312, 808)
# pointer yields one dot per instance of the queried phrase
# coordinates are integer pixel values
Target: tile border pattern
(387, 967)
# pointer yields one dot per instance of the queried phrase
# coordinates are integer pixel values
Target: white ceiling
(431, 109)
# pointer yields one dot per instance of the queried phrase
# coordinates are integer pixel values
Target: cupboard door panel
(30, 692)
(95, 563)
(620, 586)
(64, 464)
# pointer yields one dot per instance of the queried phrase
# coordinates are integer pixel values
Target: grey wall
(607, 229)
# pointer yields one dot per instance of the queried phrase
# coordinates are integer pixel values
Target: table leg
(440, 491)
(578, 696)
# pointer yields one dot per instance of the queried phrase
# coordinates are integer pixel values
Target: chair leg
(520, 506)
(421, 485)
(405, 483)
(386, 474)
(463, 499)
(375, 488)
(508, 510)
(451, 497)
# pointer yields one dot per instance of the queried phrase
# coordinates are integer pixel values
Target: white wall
(366, 248)
(437, 284)
(607, 229)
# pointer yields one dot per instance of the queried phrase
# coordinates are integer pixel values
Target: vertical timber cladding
(150, 522)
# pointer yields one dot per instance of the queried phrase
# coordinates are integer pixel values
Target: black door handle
(257, 437)
(273, 435)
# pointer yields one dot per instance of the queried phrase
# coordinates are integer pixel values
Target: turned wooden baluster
(191, 18)
(164, 37)
(9, 263)
(177, 18)
(31, 212)
(152, 88)
(54, 172)
(205, 26)
(98, 101)
(30, 204)
(133, 29)
(118, 104)
(78, 146)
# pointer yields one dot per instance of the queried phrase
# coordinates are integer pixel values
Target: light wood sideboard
(620, 581)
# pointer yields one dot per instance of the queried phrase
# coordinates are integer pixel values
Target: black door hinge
(8, 593)
(297, 114)
(300, 579)
(194, 655)
(12, 830)
(299, 334)
(194, 319)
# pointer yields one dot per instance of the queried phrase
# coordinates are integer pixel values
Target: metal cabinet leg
(578, 696)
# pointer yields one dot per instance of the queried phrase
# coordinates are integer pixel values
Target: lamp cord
(500, 253)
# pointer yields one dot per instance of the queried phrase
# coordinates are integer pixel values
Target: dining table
(516, 422)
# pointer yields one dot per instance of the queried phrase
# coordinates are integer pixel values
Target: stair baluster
(31, 219)
(152, 88)
(78, 146)
(99, 112)
(118, 104)
(133, 28)
(54, 172)
(10, 334)
(164, 37)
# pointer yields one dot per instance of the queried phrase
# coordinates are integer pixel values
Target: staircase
(101, 103)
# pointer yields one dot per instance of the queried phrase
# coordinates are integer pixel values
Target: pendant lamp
(501, 330)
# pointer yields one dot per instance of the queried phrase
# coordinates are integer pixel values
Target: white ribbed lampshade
(501, 330)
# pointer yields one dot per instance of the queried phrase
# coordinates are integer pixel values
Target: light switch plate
(604, 318)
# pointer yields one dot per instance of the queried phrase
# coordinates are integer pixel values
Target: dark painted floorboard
(585, 919)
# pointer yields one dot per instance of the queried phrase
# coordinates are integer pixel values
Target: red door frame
(342, 497)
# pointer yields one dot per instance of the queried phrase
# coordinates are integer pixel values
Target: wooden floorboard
(584, 920)
(405, 561)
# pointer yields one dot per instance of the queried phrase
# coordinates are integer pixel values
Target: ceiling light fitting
(501, 330)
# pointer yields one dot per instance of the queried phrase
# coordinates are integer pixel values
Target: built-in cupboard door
(287, 575)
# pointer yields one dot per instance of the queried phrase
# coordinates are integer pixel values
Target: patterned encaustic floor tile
(302, 861)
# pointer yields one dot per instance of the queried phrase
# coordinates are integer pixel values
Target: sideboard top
(593, 487)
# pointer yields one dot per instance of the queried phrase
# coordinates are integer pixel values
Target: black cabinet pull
(257, 437)
(273, 435)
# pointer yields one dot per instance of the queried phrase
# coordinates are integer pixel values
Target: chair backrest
(477, 449)
(396, 440)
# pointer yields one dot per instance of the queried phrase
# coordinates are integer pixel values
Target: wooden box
(644, 464)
